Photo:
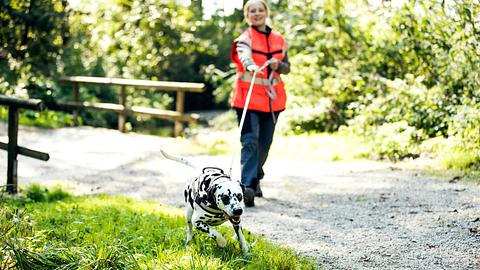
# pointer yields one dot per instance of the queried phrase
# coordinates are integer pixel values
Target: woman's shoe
(258, 191)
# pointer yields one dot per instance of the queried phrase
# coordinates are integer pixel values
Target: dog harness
(203, 190)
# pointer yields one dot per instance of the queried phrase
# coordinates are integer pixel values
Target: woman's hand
(254, 68)
(274, 63)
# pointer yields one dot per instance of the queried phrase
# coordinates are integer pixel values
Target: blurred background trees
(401, 74)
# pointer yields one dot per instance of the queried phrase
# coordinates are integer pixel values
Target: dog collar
(209, 209)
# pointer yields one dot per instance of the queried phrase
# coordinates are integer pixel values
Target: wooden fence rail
(14, 104)
(123, 109)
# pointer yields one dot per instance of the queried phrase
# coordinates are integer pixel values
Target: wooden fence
(179, 116)
(14, 104)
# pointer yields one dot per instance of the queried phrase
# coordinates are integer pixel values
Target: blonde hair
(250, 2)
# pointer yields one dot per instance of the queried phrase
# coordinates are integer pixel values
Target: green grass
(50, 229)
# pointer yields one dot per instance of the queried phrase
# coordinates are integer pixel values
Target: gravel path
(359, 215)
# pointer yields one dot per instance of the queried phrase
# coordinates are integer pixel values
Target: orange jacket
(264, 46)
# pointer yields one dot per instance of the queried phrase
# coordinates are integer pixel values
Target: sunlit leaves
(32, 37)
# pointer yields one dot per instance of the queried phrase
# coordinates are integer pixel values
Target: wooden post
(12, 182)
(179, 108)
(122, 116)
(76, 94)
(14, 104)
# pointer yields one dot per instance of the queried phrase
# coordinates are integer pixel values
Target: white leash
(244, 113)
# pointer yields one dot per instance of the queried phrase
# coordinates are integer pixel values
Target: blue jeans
(256, 139)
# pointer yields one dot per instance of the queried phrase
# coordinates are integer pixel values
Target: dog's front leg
(202, 226)
(241, 238)
(188, 215)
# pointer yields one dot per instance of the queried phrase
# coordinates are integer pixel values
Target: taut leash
(244, 113)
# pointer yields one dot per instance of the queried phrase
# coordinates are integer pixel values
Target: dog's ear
(211, 194)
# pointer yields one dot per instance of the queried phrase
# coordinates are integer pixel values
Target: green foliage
(321, 117)
(104, 232)
(451, 154)
(360, 66)
(460, 159)
(395, 141)
(376, 67)
(32, 37)
(157, 40)
(46, 119)
(402, 100)
(465, 125)
(36, 193)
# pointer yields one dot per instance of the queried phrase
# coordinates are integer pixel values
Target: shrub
(449, 153)
(395, 141)
(404, 100)
(464, 132)
(37, 193)
(321, 118)
(465, 124)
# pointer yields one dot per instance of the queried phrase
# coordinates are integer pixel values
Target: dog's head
(228, 196)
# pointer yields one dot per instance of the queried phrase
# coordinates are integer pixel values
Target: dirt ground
(356, 215)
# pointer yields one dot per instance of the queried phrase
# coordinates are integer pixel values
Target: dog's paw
(221, 242)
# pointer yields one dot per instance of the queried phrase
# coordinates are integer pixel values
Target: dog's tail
(177, 159)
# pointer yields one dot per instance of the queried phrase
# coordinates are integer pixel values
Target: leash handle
(244, 112)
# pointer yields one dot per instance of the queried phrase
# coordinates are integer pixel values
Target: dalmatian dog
(211, 199)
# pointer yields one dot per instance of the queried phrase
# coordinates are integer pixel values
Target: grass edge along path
(51, 229)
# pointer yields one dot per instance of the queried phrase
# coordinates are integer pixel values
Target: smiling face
(257, 14)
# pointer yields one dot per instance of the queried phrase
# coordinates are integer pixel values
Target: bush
(459, 158)
(464, 132)
(321, 118)
(404, 100)
(465, 125)
(36, 193)
(395, 141)
(450, 153)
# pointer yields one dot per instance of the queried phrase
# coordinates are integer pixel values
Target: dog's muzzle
(236, 214)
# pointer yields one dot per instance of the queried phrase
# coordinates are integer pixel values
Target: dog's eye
(225, 199)
(239, 197)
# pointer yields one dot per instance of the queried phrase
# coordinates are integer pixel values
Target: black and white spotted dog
(211, 199)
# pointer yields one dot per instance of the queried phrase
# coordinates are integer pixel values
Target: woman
(250, 51)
